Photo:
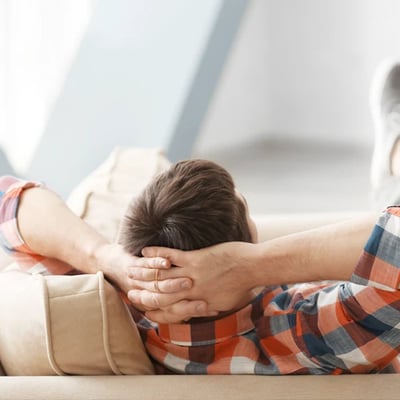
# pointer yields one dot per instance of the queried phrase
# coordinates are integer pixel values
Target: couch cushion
(56, 325)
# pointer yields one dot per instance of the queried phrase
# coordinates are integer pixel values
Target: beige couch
(78, 325)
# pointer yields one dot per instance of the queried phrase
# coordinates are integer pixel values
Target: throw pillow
(59, 325)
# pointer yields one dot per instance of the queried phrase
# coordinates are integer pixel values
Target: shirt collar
(211, 332)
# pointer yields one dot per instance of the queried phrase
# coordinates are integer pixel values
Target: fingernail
(213, 313)
(200, 308)
(186, 284)
(163, 263)
(132, 297)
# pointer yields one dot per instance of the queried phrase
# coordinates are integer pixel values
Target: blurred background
(274, 90)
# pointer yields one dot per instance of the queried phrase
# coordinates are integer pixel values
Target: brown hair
(191, 205)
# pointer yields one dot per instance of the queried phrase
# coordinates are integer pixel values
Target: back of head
(191, 205)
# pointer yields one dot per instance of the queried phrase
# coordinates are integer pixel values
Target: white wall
(302, 69)
(38, 41)
(299, 68)
(126, 86)
(74, 73)
(2, 68)
(81, 77)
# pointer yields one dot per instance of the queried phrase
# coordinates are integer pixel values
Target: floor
(287, 176)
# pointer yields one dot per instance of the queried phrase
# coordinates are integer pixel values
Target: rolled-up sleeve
(379, 265)
(11, 189)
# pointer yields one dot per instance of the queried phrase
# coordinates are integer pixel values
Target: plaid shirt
(343, 327)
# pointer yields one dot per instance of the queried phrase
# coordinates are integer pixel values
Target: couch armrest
(274, 225)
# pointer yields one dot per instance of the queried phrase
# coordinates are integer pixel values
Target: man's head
(192, 205)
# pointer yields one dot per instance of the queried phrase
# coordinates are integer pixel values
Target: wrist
(250, 265)
(113, 261)
(97, 254)
(271, 264)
